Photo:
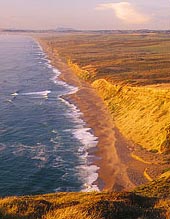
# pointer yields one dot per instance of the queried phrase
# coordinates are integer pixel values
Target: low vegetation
(125, 70)
(141, 113)
(87, 73)
(92, 205)
(133, 59)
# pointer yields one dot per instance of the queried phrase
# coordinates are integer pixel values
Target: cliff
(141, 113)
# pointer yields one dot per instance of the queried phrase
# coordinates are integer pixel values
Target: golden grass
(71, 212)
(114, 64)
(147, 176)
(136, 157)
(82, 206)
(86, 73)
(159, 188)
(141, 113)
(127, 59)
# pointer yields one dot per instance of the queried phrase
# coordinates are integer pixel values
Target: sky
(85, 14)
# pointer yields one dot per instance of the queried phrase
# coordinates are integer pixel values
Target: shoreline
(112, 151)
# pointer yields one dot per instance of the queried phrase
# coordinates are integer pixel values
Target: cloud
(126, 12)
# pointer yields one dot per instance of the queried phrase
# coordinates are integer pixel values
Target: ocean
(44, 142)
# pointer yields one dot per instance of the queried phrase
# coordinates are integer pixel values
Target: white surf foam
(39, 46)
(90, 174)
(49, 65)
(14, 94)
(37, 94)
(87, 172)
(56, 71)
(84, 135)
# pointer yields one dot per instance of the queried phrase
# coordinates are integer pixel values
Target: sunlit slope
(126, 58)
(141, 113)
(148, 201)
(121, 67)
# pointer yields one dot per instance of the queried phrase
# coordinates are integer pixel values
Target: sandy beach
(118, 170)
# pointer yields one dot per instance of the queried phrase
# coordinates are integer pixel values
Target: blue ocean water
(43, 141)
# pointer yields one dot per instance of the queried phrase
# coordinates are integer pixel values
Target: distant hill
(66, 29)
(72, 30)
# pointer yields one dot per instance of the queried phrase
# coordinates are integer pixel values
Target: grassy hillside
(125, 69)
(131, 74)
(128, 59)
(141, 113)
(147, 202)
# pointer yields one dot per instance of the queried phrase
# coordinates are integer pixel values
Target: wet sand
(118, 171)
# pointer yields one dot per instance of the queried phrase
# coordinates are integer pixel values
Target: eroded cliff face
(141, 113)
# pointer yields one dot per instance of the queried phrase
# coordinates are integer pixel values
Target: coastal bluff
(139, 107)
(149, 201)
